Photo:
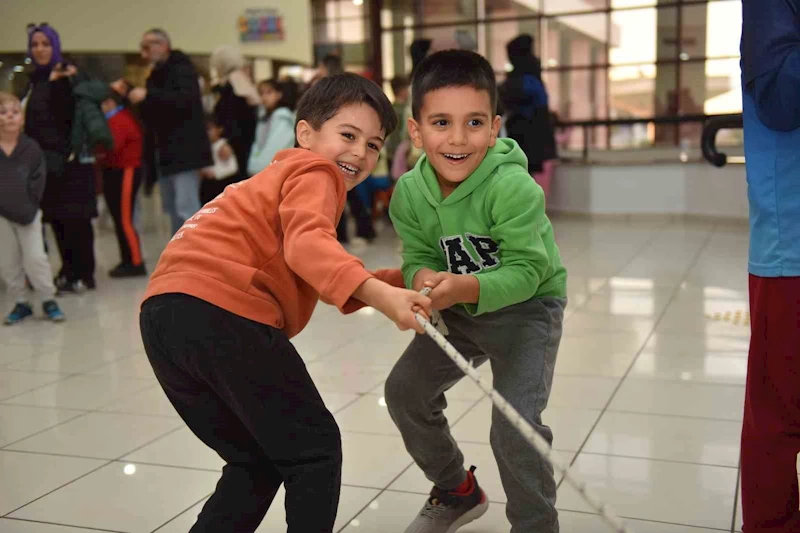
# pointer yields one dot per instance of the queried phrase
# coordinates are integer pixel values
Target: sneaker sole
(15, 322)
(470, 516)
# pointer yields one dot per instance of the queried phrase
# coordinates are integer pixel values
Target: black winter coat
(174, 119)
(69, 192)
(525, 100)
(238, 119)
(48, 117)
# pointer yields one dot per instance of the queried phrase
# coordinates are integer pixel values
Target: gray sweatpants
(21, 253)
(521, 342)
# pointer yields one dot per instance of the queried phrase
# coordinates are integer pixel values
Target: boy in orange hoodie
(239, 279)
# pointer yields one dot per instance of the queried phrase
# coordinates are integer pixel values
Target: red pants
(771, 430)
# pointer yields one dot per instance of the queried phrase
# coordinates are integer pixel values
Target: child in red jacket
(122, 177)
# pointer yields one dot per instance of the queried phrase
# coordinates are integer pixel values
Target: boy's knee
(406, 392)
(397, 390)
(391, 389)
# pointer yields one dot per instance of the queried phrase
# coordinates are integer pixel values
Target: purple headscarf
(55, 42)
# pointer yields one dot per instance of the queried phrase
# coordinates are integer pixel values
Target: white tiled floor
(646, 402)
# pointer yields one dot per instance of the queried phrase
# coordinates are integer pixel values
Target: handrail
(674, 119)
(708, 141)
(716, 122)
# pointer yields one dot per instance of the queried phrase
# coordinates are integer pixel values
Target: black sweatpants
(120, 187)
(242, 388)
(75, 239)
(360, 212)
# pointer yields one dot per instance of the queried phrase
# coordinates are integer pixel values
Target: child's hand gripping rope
(523, 426)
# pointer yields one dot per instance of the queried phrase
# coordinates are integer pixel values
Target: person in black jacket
(525, 100)
(176, 142)
(236, 108)
(69, 202)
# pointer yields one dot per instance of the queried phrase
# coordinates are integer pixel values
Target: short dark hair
(452, 68)
(399, 83)
(326, 97)
(119, 99)
(333, 63)
(291, 94)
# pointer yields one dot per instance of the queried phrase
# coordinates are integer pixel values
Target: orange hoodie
(266, 248)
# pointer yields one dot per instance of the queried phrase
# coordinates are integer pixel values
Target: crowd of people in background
(110, 135)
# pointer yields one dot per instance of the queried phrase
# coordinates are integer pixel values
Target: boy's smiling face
(455, 129)
(352, 139)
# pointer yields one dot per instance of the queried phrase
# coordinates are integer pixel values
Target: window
(600, 58)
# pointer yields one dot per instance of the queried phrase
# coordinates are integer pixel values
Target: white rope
(523, 426)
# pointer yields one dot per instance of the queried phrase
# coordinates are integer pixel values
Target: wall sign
(259, 25)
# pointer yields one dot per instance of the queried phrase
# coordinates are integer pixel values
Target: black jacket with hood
(525, 100)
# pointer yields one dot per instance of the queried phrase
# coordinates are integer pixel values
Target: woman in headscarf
(525, 100)
(237, 105)
(69, 201)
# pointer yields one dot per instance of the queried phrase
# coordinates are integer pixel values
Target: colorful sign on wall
(258, 25)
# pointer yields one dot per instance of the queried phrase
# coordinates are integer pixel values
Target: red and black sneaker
(446, 512)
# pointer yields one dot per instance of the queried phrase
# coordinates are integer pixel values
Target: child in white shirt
(225, 168)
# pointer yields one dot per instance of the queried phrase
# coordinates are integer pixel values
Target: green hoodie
(493, 226)
(89, 127)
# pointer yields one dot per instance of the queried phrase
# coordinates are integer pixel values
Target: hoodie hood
(93, 90)
(504, 152)
(520, 55)
(520, 46)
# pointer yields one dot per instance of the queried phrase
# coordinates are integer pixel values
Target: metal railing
(712, 125)
(708, 141)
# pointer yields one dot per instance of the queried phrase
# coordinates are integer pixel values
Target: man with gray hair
(176, 143)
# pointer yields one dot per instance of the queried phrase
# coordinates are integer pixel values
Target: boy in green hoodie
(473, 228)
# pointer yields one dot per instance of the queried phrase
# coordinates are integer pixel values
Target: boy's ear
(414, 132)
(304, 132)
(496, 123)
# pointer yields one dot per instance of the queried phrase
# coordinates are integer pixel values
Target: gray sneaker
(446, 512)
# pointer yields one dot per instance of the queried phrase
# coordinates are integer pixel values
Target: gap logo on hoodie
(461, 261)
